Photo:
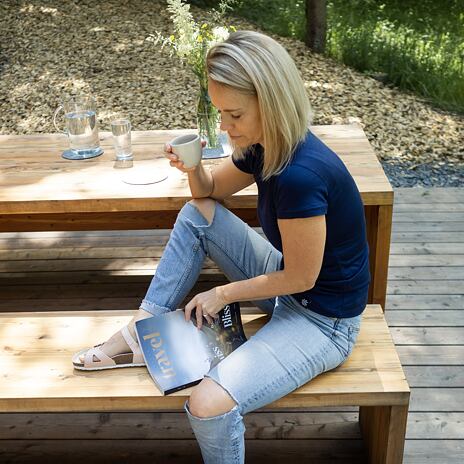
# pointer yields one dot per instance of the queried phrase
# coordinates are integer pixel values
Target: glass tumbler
(121, 130)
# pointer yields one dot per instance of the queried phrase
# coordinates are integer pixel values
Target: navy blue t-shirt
(315, 183)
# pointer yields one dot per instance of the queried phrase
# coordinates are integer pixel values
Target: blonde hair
(254, 64)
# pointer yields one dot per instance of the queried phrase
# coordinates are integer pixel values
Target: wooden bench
(48, 409)
(37, 377)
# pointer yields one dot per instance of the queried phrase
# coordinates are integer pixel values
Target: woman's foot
(120, 350)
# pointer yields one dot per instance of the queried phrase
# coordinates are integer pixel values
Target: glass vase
(208, 123)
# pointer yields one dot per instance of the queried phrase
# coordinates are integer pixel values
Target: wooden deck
(425, 311)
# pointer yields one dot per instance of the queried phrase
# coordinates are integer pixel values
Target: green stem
(208, 118)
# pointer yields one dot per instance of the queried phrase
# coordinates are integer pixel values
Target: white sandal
(96, 360)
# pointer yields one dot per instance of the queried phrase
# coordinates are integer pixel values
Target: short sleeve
(251, 163)
(300, 193)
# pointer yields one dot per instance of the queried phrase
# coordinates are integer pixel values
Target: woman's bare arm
(303, 242)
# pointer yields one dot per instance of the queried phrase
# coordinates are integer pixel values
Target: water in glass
(82, 130)
(121, 129)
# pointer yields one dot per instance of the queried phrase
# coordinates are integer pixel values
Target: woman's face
(240, 115)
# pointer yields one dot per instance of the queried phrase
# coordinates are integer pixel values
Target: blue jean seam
(210, 238)
(344, 353)
(203, 232)
(185, 274)
(260, 393)
(228, 254)
(236, 447)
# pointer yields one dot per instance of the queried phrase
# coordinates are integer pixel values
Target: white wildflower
(220, 33)
(191, 41)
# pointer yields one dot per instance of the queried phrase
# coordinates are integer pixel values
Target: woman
(312, 215)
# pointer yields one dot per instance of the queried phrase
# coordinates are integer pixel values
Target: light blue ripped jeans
(295, 346)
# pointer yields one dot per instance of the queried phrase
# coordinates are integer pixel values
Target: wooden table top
(34, 178)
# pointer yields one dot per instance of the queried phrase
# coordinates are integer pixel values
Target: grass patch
(416, 45)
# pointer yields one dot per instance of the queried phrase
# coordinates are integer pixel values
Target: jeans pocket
(353, 332)
(345, 333)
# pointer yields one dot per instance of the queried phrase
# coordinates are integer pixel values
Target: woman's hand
(174, 160)
(207, 305)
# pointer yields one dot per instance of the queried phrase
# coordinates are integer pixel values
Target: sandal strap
(133, 345)
(103, 360)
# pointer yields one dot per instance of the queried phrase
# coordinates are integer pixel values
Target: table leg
(384, 429)
(379, 224)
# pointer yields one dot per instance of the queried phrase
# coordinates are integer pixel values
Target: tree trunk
(316, 24)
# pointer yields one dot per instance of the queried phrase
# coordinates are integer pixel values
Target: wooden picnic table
(40, 191)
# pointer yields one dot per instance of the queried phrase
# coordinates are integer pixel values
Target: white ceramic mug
(188, 149)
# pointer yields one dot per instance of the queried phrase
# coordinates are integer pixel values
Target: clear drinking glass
(121, 130)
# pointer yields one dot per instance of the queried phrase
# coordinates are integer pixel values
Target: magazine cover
(178, 355)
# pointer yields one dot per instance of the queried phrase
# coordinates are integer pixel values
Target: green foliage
(417, 45)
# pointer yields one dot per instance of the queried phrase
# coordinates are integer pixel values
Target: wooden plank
(429, 207)
(425, 302)
(111, 219)
(187, 451)
(436, 400)
(429, 195)
(25, 278)
(101, 290)
(173, 426)
(435, 376)
(148, 264)
(427, 248)
(94, 304)
(412, 355)
(426, 273)
(428, 217)
(83, 243)
(176, 452)
(434, 452)
(427, 260)
(54, 252)
(425, 318)
(436, 425)
(428, 335)
(84, 264)
(425, 287)
(77, 234)
(439, 226)
(69, 304)
(430, 237)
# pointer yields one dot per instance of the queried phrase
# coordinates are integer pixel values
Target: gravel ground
(50, 48)
(424, 175)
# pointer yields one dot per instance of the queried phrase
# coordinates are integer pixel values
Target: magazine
(178, 355)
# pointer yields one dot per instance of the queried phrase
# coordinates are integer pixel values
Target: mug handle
(54, 120)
